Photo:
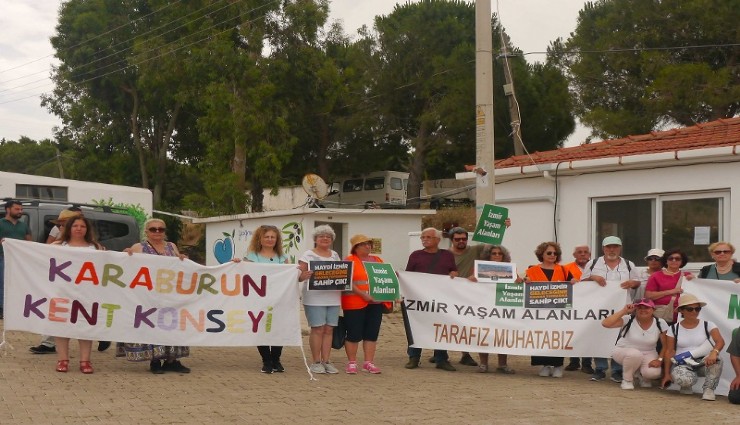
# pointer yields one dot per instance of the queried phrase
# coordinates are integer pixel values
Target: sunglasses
(551, 253)
(157, 229)
(722, 251)
(652, 258)
(459, 239)
(696, 309)
(674, 258)
(497, 253)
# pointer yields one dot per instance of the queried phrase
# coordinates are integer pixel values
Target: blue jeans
(439, 355)
(602, 364)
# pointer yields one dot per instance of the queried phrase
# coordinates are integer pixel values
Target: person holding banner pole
(433, 260)
(161, 358)
(266, 247)
(11, 227)
(77, 233)
(581, 257)
(549, 270)
(362, 314)
(611, 267)
(321, 307)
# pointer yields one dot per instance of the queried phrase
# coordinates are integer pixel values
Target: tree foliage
(637, 65)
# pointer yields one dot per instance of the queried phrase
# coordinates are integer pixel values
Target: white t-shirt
(322, 298)
(641, 339)
(55, 232)
(691, 339)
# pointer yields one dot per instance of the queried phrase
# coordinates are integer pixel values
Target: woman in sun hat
(362, 314)
(635, 347)
(692, 349)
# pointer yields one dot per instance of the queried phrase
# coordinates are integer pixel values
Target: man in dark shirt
(432, 260)
(10, 228)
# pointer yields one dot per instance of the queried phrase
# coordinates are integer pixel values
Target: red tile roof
(723, 132)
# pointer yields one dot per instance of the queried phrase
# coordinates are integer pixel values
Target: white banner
(455, 314)
(111, 296)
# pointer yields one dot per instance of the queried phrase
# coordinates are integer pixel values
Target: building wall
(231, 235)
(531, 202)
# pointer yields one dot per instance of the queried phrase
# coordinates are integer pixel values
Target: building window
(686, 221)
(46, 193)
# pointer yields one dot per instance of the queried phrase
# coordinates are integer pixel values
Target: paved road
(226, 386)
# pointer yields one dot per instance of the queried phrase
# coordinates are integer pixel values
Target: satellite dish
(315, 186)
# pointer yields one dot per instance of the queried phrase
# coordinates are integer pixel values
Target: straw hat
(688, 299)
(358, 239)
(65, 215)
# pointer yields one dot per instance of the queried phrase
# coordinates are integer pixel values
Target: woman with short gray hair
(321, 307)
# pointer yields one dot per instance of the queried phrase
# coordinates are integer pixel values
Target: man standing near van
(10, 228)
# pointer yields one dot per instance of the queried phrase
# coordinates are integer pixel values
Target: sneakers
(627, 385)
(687, 390)
(482, 368)
(317, 367)
(545, 371)
(370, 368)
(445, 365)
(587, 369)
(351, 368)
(42, 349)
(329, 368)
(708, 395)
(277, 366)
(644, 383)
(266, 367)
(557, 372)
(505, 370)
(616, 377)
(598, 375)
(413, 363)
(175, 366)
(467, 360)
(155, 366)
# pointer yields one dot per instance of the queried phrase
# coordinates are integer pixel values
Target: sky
(26, 55)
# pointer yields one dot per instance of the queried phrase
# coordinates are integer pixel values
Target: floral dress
(136, 352)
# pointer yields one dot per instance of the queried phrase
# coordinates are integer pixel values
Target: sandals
(62, 366)
(505, 369)
(86, 367)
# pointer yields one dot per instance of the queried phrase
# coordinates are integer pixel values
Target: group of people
(660, 337)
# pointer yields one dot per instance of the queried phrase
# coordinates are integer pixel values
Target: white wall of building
(390, 226)
(530, 198)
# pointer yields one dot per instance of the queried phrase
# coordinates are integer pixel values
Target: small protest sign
(383, 281)
(548, 295)
(494, 271)
(491, 225)
(510, 294)
(330, 276)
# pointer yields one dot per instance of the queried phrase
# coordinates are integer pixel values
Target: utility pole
(513, 107)
(484, 193)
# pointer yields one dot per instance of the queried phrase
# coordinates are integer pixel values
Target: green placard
(491, 226)
(510, 294)
(383, 281)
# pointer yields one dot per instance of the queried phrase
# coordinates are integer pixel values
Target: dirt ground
(225, 386)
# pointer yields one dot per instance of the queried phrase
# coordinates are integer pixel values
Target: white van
(379, 189)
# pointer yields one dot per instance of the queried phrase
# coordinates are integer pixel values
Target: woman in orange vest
(549, 270)
(362, 314)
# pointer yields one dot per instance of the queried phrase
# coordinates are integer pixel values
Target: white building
(228, 236)
(676, 188)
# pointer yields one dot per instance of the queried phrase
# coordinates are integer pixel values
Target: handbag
(339, 334)
(665, 312)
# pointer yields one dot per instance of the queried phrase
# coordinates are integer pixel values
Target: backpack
(675, 327)
(626, 328)
(593, 264)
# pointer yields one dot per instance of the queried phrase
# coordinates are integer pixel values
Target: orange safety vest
(535, 274)
(350, 300)
(574, 270)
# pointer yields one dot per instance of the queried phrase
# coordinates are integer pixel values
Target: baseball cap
(611, 240)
